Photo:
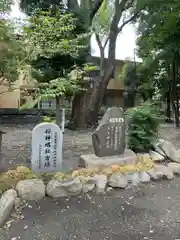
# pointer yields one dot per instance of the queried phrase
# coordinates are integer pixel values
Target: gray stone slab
(109, 137)
(91, 160)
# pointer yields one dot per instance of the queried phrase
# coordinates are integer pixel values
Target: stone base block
(92, 161)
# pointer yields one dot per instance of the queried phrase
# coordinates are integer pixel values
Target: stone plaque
(109, 137)
(47, 139)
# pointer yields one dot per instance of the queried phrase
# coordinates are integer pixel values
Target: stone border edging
(35, 189)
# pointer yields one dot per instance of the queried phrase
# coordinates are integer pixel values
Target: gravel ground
(151, 212)
(16, 147)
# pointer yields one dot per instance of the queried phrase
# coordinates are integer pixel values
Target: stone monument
(109, 137)
(109, 142)
(47, 139)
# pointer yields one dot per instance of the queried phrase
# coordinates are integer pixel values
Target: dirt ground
(16, 145)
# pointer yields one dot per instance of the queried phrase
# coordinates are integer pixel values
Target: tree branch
(95, 8)
(105, 43)
(9, 90)
(119, 8)
(136, 15)
(129, 4)
(98, 41)
(100, 45)
(2, 79)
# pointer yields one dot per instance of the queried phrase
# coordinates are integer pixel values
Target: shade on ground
(151, 212)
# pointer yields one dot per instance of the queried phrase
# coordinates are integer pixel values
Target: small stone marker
(109, 137)
(47, 141)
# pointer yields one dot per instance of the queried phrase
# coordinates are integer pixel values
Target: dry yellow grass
(144, 163)
(10, 178)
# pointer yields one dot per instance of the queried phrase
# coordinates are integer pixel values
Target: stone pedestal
(93, 161)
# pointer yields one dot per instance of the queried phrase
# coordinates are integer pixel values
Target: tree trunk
(89, 116)
(168, 95)
(168, 104)
(168, 107)
(58, 111)
(79, 105)
(174, 93)
(129, 100)
(80, 101)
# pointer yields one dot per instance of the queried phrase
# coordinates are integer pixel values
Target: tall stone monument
(109, 142)
(109, 137)
(47, 139)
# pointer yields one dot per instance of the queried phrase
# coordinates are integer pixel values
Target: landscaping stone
(133, 178)
(64, 188)
(164, 171)
(171, 152)
(88, 184)
(175, 168)
(144, 177)
(101, 182)
(109, 189)
(31, 189)
(155, 175)
(17, 202)
(6, 204)
(93, 161)
(75, 187)
(156, 156)
(54, 189)
(144, 155)
(157, 147)
(118, 180)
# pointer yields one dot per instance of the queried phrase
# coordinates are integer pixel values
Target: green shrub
(143, 123)
(47, 119)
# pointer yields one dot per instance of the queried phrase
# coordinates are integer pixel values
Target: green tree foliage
(5, 5)
(142, 128)
(11, 51)
(29, 6)
(130, 77)
(55, 48)
(159, 47)
(56, 44)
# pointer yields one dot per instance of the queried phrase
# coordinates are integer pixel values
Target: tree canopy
(160, 49)
(11, 51)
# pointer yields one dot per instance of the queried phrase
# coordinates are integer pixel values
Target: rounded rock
(88, 184)
(101, 182)
(144, 177)
(31, 189)
(118, 180)
(174, 167)
(64, 188)
(6, 204)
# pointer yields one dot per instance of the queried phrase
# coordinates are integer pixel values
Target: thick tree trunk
(78, 109)
(97, 96)
(80, 101)
(89, 115)
(86, 106)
